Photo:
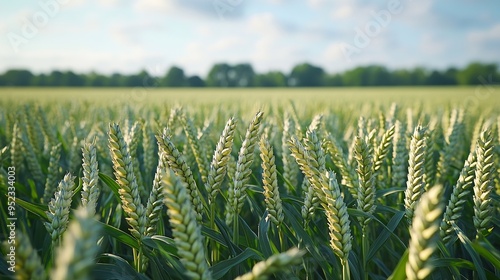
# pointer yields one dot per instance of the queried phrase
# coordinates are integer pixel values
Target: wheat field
(399, 183)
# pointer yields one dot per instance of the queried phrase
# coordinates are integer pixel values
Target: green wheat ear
(220, 159)
(363, 153)
(237, 192)
(278, 262)
(52, 172)
(459, 196)
(75, 257)
(177, 163)
(484, 183)
(185, 229)
(59, 206)
(90, 190)
(424, 234)
(415, 186)
(28, 263)
(270, 183)
(125, 177)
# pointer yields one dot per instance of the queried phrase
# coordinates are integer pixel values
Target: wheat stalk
(125, 177)
(424, 234)
(312, 144)
(270, 183)
(381, 151)
(28, 263)
(74, 156)
(430, 163)
(197, 149)
(316, 122)
(32, 158)
(328, 192)
(185, 229)
(148, 146)
(48, 131)
(52, 172)
(175, 114)
(132, 139)
(348, 173)
(415, 186)
(16, 148)
(90, 190)
(363, 154)
(483, 183)
(75, 256)
(450, 154)
(290, 168)
(237, 192)
(58, 213)
(177, 163)
(33, 130)
(476, 132)
(459, 196)
(220, 159)
(400, 156)
(155, 200)
(278, 262)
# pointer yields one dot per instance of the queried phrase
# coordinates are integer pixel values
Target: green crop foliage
(154, 175)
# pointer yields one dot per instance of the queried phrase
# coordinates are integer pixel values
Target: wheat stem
(424, 234)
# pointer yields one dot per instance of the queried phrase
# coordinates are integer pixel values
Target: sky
(125, 36)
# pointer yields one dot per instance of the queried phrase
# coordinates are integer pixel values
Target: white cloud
(484, 44)
(153, 5)
(229, 43)
(109, 3)
(265, 24)
(487, 36)
(317, 3)
(334, 53)
(342, 12)
(432, 44)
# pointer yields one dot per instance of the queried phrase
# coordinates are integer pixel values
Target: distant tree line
(243, 75)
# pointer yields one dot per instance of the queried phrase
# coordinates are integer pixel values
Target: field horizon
(457, 96)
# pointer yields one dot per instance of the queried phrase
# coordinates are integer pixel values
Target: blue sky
(126, 36)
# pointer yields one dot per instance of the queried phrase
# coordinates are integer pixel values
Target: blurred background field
(470, 98)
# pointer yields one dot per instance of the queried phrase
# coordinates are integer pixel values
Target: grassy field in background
(456, 96)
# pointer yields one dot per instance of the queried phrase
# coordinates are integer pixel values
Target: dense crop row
(206, 193)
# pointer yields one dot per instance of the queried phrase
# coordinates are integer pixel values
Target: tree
(372, 75)
(307, 75)
(242, 75)
(40, 80)
(55, 78)
(18, 77)
(418, 76)
(96, 80)
(117, 80)
(401, 77)
(72, 79)
(477, 73)
(174, 78)
(218, 75)
(225, 75)
(195, 81)
(141, 79)
(437, 78)
(334, 80)
(270, 79)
